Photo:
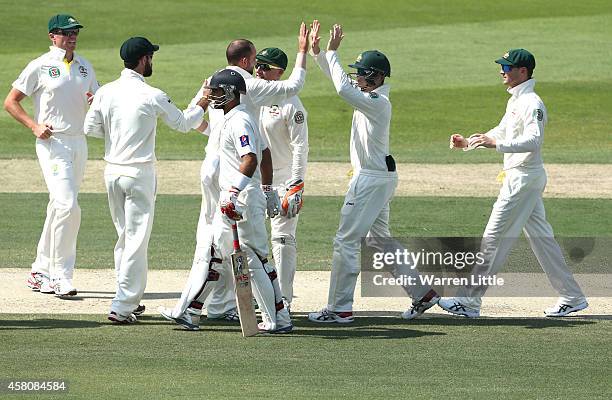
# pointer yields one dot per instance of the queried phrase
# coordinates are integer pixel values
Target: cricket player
(124, 113)
(61, 84)
(242, 149)
(519, 206)
(211, 280)
(285, 128)
(366, 204)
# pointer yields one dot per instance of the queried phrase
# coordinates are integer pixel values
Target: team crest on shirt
(83, 71)
(538, 114)
(299, 117)
(244, 140)
(274, 110)
(54, 72)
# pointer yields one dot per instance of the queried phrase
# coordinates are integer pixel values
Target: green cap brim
(267, 61)
(503, 61)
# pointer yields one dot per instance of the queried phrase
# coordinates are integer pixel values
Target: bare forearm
(248, 165)
(15, 109)
(266, 167)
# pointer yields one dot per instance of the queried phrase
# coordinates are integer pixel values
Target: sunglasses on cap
(266, 67)
(66, 32)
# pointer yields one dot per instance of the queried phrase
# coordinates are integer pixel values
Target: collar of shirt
(245, 74)
(60, 54)
(239, 107)
(130, 73)
(524, 87)
(384, 90)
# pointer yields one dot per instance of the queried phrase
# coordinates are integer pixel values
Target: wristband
(241, 181)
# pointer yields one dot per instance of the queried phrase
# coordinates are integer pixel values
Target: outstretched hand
(314, 37)
(303, 39)
(335, 37)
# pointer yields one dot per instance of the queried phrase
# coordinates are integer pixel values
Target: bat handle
(235, 234)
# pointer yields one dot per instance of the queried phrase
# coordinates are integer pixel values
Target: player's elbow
(9, 104)
(248, 164)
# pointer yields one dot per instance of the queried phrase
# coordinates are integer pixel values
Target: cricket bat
(242, 283)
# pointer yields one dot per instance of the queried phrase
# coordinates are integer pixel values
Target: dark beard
(148, 70)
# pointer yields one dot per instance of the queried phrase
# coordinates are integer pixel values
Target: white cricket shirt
(58, 90)
(285, 127)
(124, 113)
(239, 136)
(369, 144)
(520, 134)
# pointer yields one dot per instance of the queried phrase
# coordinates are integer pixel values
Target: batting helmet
(231, 82)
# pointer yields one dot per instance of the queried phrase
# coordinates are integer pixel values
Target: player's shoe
(47, 287)
(264, 327)
(63, 288)
(36, 279)
(121, 319)
(230, 315)
(561, 309)
(187, 320)
(138, 311)
(421, 305)
(326, 317)
(453, 306)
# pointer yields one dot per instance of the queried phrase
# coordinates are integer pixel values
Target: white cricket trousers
(519, 207)
(199, 286)
(365, 212)
(131, 198)
(284, 250)
(62, 159)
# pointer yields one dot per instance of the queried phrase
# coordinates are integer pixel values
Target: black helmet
(228, 77)
(228, 80)
(373, 60)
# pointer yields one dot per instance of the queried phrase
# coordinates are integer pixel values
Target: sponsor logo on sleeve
(244, 140)
(83, 71)
(299, 117)
(373, 95)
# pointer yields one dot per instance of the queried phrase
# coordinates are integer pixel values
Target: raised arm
(263, 92)
(315, 50)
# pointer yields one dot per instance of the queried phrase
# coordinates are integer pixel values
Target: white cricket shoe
(230, 315)
(121, 319)
(187, 320)
(326, 317)
(47, 287)
(63, 288)
(561, 310)
(421, 305)
(36, 279)
(264, 327)
(453, 306)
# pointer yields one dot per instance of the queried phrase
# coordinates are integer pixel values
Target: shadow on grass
(371, 328)
(47, 323)
(386, 318)
(110, 295)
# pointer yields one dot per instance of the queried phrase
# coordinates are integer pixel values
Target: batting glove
(292, 201)
(228, 201)
(272, 201)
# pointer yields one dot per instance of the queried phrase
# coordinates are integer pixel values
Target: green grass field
(443, 81)
(441, 52)
(374, 358)
(173, 237)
